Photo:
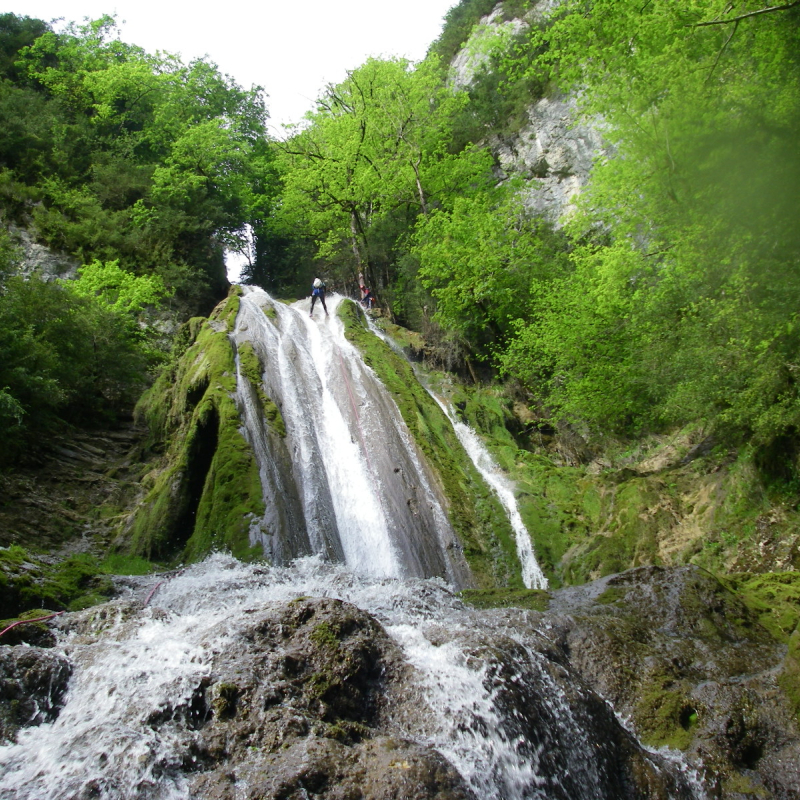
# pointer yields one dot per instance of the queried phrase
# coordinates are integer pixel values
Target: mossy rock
(32, 631)
(666, 716)
(207, 489)
(534, 599)
(789, 678)
(29, 582)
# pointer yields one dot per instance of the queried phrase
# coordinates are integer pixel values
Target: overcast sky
(292, 49)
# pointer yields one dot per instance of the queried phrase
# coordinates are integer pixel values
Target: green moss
(250, 366)
(325, 636)
(474, 511)
(31, 632)
(533, 599)
(774, 597)
(224, 698)
(28, 582)
(612, 594)
(121, 564)
(665, 716)
(738, 784)
(207, 489)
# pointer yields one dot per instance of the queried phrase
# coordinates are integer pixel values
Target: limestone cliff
(553, 150)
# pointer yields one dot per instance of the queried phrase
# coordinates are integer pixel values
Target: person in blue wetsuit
(318, 291)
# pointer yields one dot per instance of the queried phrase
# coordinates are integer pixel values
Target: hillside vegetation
(634, 367)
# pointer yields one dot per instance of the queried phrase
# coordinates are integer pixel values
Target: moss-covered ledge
(474, 511)
(206, 487)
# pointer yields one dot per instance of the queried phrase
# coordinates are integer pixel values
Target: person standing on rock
(318, 291)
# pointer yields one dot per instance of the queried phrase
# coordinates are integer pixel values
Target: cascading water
(532, 575)
(143, 716)
(359, 492)
(236, 681)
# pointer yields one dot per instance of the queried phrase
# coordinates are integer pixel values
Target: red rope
(23, 621)
(152, 592)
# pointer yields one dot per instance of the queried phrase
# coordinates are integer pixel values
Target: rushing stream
(481, 692)
(229, 680)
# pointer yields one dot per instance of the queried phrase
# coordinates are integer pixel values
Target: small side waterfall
(532, 575)
(359, 491)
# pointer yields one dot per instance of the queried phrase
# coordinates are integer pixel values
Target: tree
(683, 302)
(372, 158)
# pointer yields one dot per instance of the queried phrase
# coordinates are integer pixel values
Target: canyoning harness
(319, 288)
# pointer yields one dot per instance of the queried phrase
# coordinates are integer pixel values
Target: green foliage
(486, 264)
(130, 157)
(686, 306)
(458, 25)
(373, 157)
(63, 358)
(121, 291)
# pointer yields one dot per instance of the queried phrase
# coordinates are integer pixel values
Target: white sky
(292, 49)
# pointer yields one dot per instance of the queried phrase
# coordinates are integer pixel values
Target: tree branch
(768, 10)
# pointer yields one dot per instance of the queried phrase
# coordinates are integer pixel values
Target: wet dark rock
(524, 677)
(297, 708)
(33, 682)
(685, 660)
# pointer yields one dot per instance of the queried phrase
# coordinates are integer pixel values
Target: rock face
(554, 151)
(36, 259)
(33, 682)
(681, 656)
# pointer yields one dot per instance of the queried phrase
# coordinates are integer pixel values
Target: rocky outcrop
(298, 708)
(37, 259)
(33, 682)
(416, 694)
(554, 150)
(686, 661)
(205, 490)
(554, 153)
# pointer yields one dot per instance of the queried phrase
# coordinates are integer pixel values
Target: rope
(24, 621)
(161, 583)
(152, 592)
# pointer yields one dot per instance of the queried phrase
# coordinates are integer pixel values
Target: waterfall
(348, 662)
(532, 575)
(139, 720)
(359, 490)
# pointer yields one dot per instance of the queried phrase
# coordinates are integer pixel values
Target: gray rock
(37, 259)
(682, 657)
(33, 682)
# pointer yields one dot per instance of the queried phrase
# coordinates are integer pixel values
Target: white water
(358, 491)
(532, 575)
(134, 663)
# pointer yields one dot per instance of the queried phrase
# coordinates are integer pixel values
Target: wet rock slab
(681, 656)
